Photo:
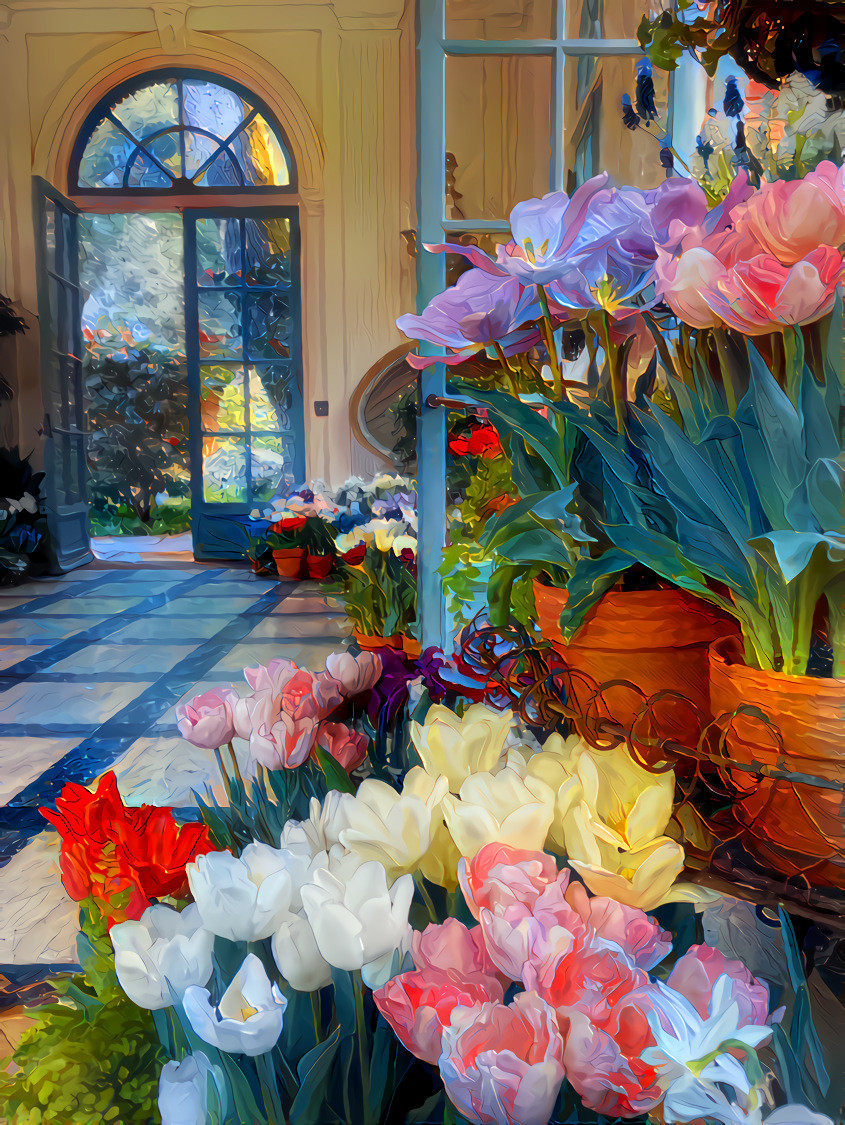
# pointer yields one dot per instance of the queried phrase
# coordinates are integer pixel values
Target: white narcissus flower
(358, 922)
(460, 746)
(248, 1020)
(242, 899)
(393, 828)
(183, 1090)
(500, 808)
(159, 956)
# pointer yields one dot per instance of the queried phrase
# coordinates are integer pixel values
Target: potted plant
(376, 565)
(318, 540)
(285, 540)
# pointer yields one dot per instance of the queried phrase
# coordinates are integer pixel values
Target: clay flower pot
(653, 640)
(790, 826)
(319, 566)
(372, 644)
(411, 647)
(289, 561)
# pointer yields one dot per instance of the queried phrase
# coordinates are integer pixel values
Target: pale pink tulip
(697, 971)
(208, 720)
(270, 677)
(419, 1006)
(354, 674)
(504, 1065)
(276, 739)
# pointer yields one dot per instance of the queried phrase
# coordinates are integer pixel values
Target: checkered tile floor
(92, 668)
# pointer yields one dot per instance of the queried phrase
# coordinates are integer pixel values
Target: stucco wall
(339, 75)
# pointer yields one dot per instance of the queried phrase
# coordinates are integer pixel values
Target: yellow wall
(339, 75)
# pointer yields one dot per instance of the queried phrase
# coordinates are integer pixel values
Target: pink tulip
(698, 970)
(607, 1071)
(208, 720)
(792, 218)
(631, 930)
(346, 746)
(601, 1002)
(354, 674)
(501, 875)
(504, 1065)
(419, 1005)
(730, 278)
(452, 948)
(306, 696)
(276, 739)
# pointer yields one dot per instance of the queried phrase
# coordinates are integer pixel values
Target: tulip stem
(547, 332)
(425, 896)
(363, 1041)
(317, 1014)
(506, 368)
(235, 766)
(269, 1090)
(617, 389)
(448, 1112)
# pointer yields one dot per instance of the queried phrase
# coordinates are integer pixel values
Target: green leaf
(313, 1073)
(334, 773)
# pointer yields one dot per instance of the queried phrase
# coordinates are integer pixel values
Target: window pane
(198, 149)
(222, 403)
(105, 157)
(219, 325)
(166, 149)
(498, 130)
(270, 326)
(272, 464)
(148, 110)
(260, 155)
(596, 140)
(218, 251)
(500, 19)
(268, 251)
(273, 392)
(212, 107)
(224, 470)
(145, 173)
(221, 173)
(585, 18)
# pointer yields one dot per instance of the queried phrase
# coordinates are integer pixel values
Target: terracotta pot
(319, 566)
(653, 640)
(375, 643)
(789, 825)
(411, 647)
(289, 562)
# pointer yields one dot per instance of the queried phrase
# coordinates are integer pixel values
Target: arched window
(186, 382)
(180, 132)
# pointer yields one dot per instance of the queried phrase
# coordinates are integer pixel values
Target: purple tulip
(478, 309)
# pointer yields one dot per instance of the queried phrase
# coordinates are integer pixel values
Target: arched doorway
(172, 366)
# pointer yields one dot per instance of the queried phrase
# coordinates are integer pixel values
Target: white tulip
(183, 1090)
(393, 828)
(158, 957)
(242, 899)
(357, 921)
(248, 1020)
(297, 956)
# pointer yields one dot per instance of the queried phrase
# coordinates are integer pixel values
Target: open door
(60, 321)
(242, 321)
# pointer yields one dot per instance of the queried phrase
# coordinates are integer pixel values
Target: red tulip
(122, 856)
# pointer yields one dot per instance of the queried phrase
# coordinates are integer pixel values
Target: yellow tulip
(458, 747)
(641, 876)
(567, 789)
(393, 828)
(499, 808)
(629, 805)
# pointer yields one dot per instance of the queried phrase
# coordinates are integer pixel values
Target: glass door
(244, 369)
(64, 429)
